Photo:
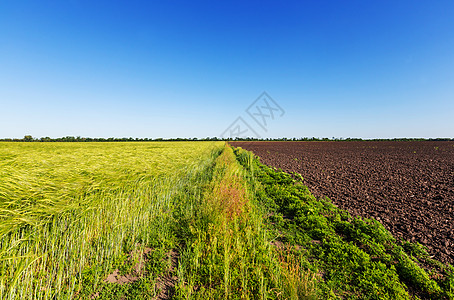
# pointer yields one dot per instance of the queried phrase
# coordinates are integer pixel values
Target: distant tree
(28, 138)
(69, 139)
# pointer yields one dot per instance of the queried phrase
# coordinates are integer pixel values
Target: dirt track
(407, 186)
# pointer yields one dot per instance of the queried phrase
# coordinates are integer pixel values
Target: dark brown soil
(407, 186)
(166, 283)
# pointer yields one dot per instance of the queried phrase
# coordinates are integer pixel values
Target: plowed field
(407, 186)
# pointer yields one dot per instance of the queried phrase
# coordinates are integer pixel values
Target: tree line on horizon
(29, 138)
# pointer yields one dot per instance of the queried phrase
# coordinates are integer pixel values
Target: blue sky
(190, 68)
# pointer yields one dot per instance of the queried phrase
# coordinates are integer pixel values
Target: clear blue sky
(371, 69)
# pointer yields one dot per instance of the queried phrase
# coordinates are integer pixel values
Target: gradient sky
(189, 68)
